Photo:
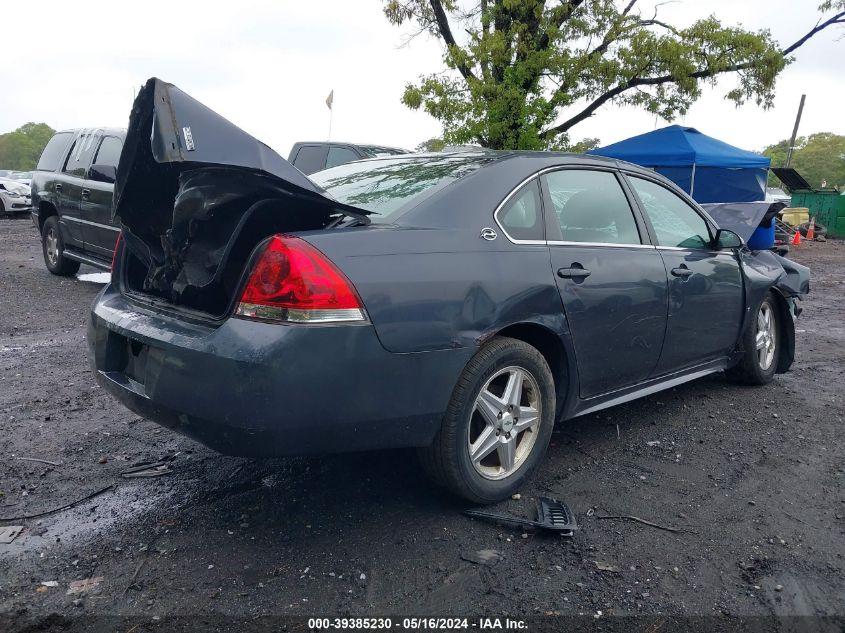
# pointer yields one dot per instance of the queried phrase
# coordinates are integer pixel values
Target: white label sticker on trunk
(189, 139)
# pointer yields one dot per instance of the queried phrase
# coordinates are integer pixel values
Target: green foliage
(431, 145)
(816, 157)
(21, 149)
(531, 70)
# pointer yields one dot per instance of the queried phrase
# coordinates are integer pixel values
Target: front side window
(590, 206)
(522, 215)
(340, 156)
(109, 152)
(674, 221)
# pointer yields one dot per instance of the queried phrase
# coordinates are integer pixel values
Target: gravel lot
(752, 477)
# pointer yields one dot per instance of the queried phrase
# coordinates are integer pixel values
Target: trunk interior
(195, 195)
(197, 260)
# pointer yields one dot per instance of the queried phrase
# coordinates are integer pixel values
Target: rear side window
(340, 156)
(310, 158)
(590, 206)
(53, 153)
(81, 153)
(522, 215)
(109, 151)
(675, 222)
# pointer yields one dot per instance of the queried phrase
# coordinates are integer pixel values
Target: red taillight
(293, 281)
(117, 244)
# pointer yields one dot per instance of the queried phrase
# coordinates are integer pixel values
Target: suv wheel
(498, 423)
(54, 247)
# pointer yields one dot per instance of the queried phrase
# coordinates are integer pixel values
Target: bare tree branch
(446, 34)
(635, 82)
(839, 18)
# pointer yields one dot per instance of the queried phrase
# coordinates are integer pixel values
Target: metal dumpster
(826, 205)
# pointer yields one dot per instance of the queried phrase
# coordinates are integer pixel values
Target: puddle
(95, 278)
(78, 526)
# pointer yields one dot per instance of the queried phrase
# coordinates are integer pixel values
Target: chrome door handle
(573, 273)
(59, 187)
(86, 193)
(682, 272)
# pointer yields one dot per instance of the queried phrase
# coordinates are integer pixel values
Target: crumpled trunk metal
(190, 183)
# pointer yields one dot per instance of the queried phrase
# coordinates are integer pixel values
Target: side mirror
(102, 173)
(726, 239)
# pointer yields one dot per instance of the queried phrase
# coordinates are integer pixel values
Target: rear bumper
(255, 389)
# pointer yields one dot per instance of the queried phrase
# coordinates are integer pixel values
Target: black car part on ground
(551, 515)
(195, 194)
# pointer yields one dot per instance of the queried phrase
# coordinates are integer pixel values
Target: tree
(528, 71)
(431, 145)
(22, 148)
(817, 157)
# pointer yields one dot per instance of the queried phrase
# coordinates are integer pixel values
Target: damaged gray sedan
(461, 303)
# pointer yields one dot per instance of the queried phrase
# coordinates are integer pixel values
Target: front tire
(760, 347)
(53, 247)
(498, 423)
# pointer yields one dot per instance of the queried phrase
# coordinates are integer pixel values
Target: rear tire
(498, 423)
(760, 346)
(53, 247)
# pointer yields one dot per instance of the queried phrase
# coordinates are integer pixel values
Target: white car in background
(24, 177)
(15, 197)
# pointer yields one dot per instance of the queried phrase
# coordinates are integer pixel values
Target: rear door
(611, 279)
(96, 203)
(69, 185)
(706, 296)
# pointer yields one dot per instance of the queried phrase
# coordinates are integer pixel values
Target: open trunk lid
(195, 193)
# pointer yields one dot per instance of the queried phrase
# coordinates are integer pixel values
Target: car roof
(368, 145)
(544, 159)
(105, 131)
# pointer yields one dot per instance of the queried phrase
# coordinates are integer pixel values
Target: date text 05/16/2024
(413, 624)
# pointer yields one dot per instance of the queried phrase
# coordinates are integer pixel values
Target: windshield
(386, 186)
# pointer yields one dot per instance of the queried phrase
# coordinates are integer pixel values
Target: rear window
(375, 151)
(53, 153)
(386, 186)
(310, 158)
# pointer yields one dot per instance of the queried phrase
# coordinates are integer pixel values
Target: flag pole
(331, 113)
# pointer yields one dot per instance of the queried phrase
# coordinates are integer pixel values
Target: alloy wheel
(52, 242)
(504, 423)
(765, 339)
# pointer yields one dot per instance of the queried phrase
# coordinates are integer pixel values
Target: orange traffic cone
(796, 239)
(811, 230)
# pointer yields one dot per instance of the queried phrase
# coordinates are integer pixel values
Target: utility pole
(795, 131)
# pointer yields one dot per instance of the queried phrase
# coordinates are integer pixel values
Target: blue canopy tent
(706, 168)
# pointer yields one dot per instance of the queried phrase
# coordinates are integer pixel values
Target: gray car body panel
(434, 292)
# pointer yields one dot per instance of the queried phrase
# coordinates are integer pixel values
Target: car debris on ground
(9, 533)
(551, 515)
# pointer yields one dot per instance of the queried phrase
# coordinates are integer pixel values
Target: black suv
(312, 157)
(72, 190)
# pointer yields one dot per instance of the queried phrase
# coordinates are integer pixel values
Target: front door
(706, 295)
(612, 283)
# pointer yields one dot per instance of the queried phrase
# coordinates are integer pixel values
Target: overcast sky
(269, 65)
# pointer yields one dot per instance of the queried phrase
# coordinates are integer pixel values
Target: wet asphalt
(751, 479)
